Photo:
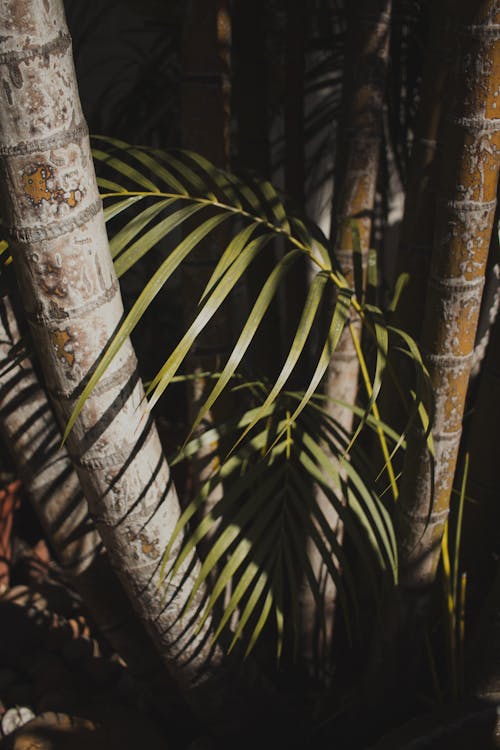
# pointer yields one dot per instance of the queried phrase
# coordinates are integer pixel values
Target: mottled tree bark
(30, 432)
(466, 207)
(70, 294)
(356, 168)
(367, 45)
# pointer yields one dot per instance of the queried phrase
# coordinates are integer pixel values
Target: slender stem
(459, 528)
(337, 279)
(461, 633)
(450, 611)
(366, 380)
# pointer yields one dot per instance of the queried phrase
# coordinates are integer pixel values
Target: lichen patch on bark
(39, 185)
(61, 339)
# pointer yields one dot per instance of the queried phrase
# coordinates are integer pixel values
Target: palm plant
(186, 185)
(190, 186)
(285, 459)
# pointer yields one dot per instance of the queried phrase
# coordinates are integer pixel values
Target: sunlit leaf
(149, 292)
(311, 305)
(258, 311)
(212, 304)
(122, 238)
(151, 238)
(125, 170)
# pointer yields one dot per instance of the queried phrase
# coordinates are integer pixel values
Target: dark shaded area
(127, 63)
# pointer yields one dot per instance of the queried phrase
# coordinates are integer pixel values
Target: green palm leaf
(268, 515)
(212, 304)
(254, 319)
(144, 300)
(264, 519)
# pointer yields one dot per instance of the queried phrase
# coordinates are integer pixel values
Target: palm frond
(268, 518)
(183, 185)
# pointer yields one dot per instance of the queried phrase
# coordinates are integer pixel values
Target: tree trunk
(30, 432)
(71, 297)
(367, 45)
(466, 207)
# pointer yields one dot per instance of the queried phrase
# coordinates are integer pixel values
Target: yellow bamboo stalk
(466, 206)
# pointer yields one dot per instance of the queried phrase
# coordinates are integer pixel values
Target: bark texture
(32, 437)
(72, 302)
(367, 46)
(466, 207)
(29, 430)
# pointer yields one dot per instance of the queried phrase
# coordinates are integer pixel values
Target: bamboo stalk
(367, 46)
(466, 206)
(367, 43)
